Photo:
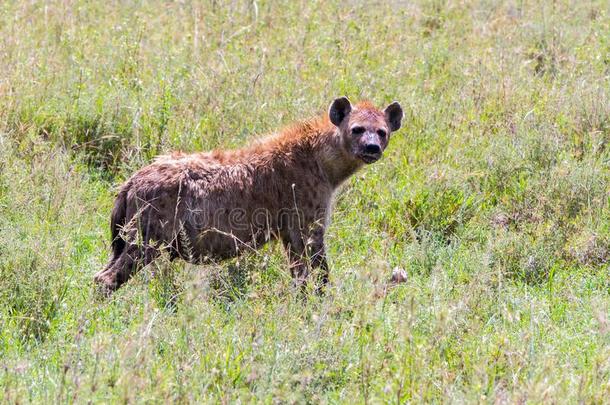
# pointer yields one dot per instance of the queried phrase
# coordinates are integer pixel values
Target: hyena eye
(381, 133)
(357, 130)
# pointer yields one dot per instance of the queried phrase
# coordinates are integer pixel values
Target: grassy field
(494, 197)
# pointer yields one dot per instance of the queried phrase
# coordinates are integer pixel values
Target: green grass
(494, 197)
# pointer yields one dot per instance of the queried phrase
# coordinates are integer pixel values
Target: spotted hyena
(214, 205)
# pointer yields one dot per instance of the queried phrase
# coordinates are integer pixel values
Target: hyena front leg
(297, 257)
(317, 255)
(305, 255)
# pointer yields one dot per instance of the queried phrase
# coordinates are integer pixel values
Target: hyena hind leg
(122, 268)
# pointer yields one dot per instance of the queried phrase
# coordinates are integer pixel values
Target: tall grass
(493, 197)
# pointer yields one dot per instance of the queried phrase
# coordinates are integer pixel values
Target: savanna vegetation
(494, 198)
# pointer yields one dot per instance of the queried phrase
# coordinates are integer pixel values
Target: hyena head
(365, 130)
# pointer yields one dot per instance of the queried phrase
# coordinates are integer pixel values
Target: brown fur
(209, 206)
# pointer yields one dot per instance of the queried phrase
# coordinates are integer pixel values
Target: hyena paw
(105, 284)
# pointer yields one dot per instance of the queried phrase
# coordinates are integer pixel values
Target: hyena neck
(333, 159)
(310, 141)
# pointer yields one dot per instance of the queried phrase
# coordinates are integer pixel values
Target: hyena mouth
(368, 159)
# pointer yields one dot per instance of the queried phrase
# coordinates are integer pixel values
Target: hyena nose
(372, 149)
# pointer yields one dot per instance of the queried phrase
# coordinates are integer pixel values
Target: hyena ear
(339, 110)
(393, 115)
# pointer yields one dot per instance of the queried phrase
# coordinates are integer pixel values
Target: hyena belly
(220, 222)
(219, 233)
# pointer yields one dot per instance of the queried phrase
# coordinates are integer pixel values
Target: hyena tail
(118, 221)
